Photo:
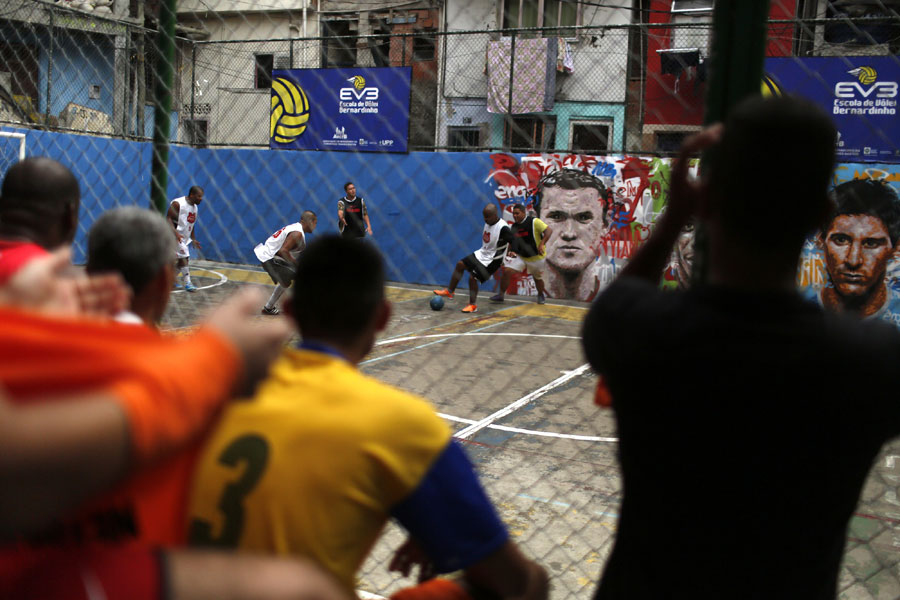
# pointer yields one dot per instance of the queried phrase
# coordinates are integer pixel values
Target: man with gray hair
(138, 244)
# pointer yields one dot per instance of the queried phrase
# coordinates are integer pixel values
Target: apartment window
(689, 19)
(590, 137)
(381, 46)
(527, 134)
(463, 138)
(339, 50)
(670, 141)
(423, 46)
(539, 13)
(845, 29)
(19, 70)
(197, 132)
(637, 40)
(263, 65)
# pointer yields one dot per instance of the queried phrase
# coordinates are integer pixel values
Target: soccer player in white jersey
(183, 216)
(279, 253)
(484, 262)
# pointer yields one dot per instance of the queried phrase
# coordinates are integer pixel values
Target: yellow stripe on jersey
(313, 464)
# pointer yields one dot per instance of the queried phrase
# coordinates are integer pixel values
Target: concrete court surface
(511, 382)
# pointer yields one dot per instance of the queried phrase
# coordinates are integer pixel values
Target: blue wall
(425, 207)
(79, 61)
(73, 62)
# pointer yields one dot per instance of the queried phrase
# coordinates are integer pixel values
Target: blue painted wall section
(425, 207)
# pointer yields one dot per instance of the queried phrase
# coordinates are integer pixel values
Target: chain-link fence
(432, 110)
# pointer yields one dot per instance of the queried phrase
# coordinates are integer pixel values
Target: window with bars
(532, 133)
(540, 13)
(424, 45)
(670, 141)
(590, 137)
(263, 65)
(338, 50)
(197, 132)
(463, 138)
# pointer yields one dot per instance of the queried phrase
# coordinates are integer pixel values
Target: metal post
(140, 78)
(49, 71)
(512, 67)
(162, 102)
(193, 91)
(738, 51)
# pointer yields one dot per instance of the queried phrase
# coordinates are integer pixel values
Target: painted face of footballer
(576, 217)
(857, 250)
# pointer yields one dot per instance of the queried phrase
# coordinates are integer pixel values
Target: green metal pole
(738, 51)
(736, 69)
(162, 103)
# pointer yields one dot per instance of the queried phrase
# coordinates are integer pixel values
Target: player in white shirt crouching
(278, 255)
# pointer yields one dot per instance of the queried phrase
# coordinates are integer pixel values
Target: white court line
(445, 336)
(436, 335)
(248, 269)
(476, 426)
(363, 595)
(222, 280)
(565, 436)
(485, 422)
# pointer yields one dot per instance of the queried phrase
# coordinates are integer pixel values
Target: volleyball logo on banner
(290, 111)
(358, 109)
(358, 81)
(770, 87)
(866, 75)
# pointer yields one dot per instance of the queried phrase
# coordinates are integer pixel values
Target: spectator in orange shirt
(101, 414)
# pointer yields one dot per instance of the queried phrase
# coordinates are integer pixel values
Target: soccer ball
(437, 303)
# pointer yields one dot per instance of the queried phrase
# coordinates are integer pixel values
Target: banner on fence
(349, 109)
(859, 92)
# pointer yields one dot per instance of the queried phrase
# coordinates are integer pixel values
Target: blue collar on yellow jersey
(320, 347)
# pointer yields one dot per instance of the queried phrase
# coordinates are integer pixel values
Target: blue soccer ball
(437, 303)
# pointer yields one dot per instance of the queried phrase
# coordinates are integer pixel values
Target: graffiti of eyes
(558, 216)
(842, 239)
(872, 243)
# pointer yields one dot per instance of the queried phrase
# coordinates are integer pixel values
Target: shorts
(281, 271)
(115, 572)
(479, 271)
(182, 251)
(535, 267)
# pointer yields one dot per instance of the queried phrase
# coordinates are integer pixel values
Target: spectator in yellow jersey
(323, 456)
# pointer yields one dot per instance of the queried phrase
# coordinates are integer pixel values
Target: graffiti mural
(852, 265)
(599, 208)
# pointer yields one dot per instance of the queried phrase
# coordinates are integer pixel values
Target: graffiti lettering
(812, 271)
(504, 192)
